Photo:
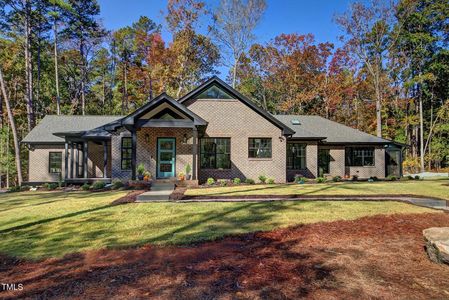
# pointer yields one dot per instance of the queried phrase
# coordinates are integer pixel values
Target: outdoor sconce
(185, 138)
(281, 139)
(147, 137)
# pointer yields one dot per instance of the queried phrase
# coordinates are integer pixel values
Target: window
(259, 148)
(214, 93)
(215, 153)
(296, 156)
(324, 160)
(360, 156)
(55, 162)
(127, 150)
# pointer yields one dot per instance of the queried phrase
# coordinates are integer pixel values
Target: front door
(324, 159)
(166, 157)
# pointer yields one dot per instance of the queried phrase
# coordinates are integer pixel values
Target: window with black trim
(127, 149)
(55, 162)
(296, 156)
(215, 153)
(360, 156)
(259, 147)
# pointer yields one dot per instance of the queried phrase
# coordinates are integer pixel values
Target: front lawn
(432, 188)
(45, 224)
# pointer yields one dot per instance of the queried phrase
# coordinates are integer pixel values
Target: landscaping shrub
(392, 178)
(85, 187)
(417, 177)
(51, 186)
(336, 178)
(223, 182)
(14, 189)
(355, 177)
(410, 177)
(236, 180)
(210, 181)
(249, 181)
(98, 185)
(270, 181)
(117, 184)
(321, 180)
(262, 178)
(300, 179)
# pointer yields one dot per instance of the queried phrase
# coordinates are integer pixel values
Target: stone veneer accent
(235, 120)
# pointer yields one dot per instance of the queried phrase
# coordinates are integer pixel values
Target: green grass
(42, 224)
(433, 188)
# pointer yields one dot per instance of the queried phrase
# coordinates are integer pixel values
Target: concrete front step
(159, 192)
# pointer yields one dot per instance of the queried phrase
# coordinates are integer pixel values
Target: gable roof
(44, 131)
(233, 92)
(162, 98)
(332, 132)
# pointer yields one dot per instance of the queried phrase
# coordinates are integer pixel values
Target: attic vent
(295, 122)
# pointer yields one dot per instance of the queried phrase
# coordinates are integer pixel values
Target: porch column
(194, 152)
(85, 164)
(66, 161)
(72, 153)
(133, 153)
(105, 159)
(77, 163)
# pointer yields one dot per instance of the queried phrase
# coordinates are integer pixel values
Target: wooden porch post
(77, 163)
(105, 159)
(85, 164)
(66, 161)
(134, 153)
(194, 152)
(72, 153)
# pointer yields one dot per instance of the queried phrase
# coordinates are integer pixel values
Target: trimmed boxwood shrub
(210, 181)
(336, 179)
(117, 184)
(270, 181)
(85, 187)
(321, 180)
(98, 185)
(236, 180)
(249, 181)
(262, 178)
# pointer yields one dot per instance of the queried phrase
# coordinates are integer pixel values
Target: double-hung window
(126, 156)
(259, 148)
(55, 162)
(360, 156)
(215, 153)
(296, 156)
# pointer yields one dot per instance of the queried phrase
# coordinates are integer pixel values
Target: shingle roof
(43, 132)
(333, 132)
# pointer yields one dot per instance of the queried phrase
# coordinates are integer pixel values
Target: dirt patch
(128, 198)
(374, 257)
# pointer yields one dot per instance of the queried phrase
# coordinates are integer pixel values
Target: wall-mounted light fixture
(147, 137)
(185, 138)
(281, 139)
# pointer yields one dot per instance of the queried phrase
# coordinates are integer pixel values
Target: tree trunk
(378, 106)
(421, 134)
(55, 46)
(83, 78)
(13, 128)
(28, 66)
(234, 71)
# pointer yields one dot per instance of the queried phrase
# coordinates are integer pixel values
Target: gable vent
(295, 122)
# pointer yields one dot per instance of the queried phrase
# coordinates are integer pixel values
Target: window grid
(55, 162)
(259, 148)
(126, 153)
(360, 157)
(215, 153)
(296, 156)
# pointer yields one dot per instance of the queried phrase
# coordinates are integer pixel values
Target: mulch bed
(128, 198)
(374, 257)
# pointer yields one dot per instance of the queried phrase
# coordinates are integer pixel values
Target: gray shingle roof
(43, 132)
(333, 132)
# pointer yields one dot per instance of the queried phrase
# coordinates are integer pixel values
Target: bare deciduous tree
(234, 24)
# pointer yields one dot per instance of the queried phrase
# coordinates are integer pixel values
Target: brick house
(216, 130)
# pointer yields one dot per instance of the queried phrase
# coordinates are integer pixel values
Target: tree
(85, 31)
(368, 31)
(234, 24)
(12, 124)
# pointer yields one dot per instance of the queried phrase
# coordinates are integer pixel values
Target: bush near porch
(51, 224)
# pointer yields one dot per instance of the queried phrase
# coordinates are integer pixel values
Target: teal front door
(166, 157)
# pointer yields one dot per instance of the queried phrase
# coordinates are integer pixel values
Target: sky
(282, 16)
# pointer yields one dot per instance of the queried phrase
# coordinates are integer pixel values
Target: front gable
(217, 89)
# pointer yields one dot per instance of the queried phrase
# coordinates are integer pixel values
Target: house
(215, 129)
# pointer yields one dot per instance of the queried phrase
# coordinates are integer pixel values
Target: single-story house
(216, 130)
